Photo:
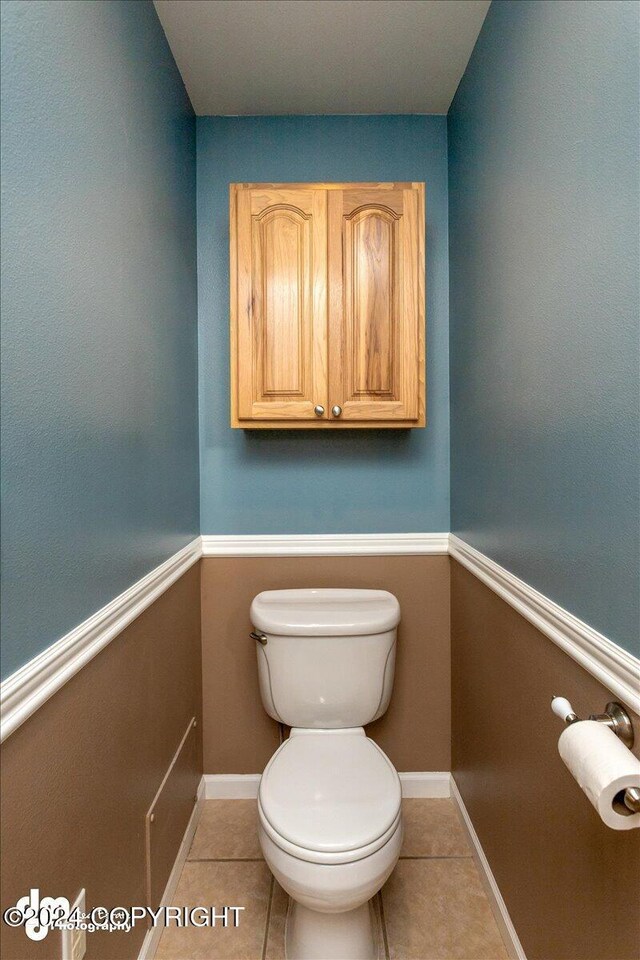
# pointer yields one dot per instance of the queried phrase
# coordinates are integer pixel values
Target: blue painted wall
(543, 192)
(308, 482)
(100, 470)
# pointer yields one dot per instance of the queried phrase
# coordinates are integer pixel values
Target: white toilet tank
(326, 658)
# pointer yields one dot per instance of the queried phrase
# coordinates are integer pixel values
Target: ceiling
(321, 56)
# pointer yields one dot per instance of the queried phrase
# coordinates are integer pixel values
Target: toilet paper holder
(618, 720)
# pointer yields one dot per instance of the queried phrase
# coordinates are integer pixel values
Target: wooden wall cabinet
(327, 305)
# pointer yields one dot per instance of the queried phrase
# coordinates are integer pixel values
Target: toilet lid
(330, 792)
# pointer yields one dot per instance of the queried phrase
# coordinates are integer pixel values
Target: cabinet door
(376, 303)
(280, 365)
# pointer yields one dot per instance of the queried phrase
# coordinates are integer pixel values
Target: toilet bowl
(329, 803)
(330, 829)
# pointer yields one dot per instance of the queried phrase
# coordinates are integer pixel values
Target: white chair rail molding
(23, 692)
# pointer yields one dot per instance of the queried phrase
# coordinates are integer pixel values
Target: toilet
(329, 812)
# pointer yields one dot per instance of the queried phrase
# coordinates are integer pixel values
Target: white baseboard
(244, 786)
(152, 938)
(326, 545)
(499, 907)
(231, 786)
(426, 785)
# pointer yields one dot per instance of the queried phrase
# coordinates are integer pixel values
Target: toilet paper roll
(603, 767)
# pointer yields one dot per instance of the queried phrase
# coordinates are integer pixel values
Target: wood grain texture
(376, 304)
(279, 303)
(354, 250)
(383, 185)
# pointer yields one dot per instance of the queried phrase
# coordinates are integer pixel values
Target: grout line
(385, 941)
(226, 860)
(268, 920)
(436, 856)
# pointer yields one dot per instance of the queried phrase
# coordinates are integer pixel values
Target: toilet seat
(329, 796)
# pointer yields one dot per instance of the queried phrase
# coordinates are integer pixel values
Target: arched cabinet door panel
(327, 305)
(376, 297)
(281, 312)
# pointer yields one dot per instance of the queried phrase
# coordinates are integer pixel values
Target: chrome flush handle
(260, 637)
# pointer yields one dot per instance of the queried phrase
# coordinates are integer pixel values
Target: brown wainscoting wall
(239, 737)
(570, 883)
(79, 775)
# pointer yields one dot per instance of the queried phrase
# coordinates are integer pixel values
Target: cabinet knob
(336, 411)
(318, 410)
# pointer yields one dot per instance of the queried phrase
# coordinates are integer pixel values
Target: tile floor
(433, 907)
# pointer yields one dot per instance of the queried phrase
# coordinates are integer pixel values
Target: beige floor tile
(432, 829)
(214, 883)
(228, 830)
(437, 910)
